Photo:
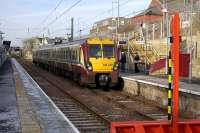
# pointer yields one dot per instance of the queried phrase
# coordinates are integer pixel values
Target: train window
(95, 50)
(73, 55)
(68, 54)
(61, 54)
(108, 50)
(64, 53)
(77, 57)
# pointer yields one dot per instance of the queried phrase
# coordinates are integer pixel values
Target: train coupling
(103, 80)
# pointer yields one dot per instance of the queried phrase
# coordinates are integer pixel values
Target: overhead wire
(104, 12)
(132, 13)
(63, 13)
(54, 9)
(100, 14)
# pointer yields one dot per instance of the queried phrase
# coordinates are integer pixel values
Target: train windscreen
(108, 51)
(95, 51)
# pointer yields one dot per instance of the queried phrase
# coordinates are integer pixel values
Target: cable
(104, 12)
(63, 13)
(140, 11)
(54, 9)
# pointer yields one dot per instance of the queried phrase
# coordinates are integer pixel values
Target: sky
(21, 19)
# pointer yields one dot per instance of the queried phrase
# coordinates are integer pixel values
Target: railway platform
(191, 88)
(24, 107)
(155, 90)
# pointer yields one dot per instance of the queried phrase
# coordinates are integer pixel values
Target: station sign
(122, 42)
(142, 42)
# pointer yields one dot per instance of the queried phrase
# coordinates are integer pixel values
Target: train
(92, 61)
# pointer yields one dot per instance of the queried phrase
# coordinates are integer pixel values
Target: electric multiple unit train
(92, 61)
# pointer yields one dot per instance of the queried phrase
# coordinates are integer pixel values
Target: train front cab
(102, 62)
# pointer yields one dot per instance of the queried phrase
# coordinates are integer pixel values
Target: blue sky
(21, 19)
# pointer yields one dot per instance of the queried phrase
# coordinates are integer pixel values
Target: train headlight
(116, 66)
(89, 66)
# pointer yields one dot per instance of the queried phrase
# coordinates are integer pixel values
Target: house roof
(155, 7)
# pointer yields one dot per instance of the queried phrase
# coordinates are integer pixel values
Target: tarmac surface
(9, 118)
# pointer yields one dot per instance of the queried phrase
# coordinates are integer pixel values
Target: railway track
(92, 110)
(149, 111)
(85, 119)
(82, 118)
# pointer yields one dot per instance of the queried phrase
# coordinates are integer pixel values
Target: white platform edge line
(162, 86)
(146, 82)
(59, 111)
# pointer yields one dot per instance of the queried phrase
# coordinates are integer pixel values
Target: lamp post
(165, 11)
(117, 20)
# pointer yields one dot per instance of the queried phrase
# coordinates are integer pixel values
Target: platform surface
(49, 117)
(190, 88)
(24, 107)
(9, 118)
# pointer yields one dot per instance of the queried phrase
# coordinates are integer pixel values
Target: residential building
(30, 44)
(35, 42)
(108, 26)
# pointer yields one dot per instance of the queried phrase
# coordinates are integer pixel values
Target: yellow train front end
(102, 61)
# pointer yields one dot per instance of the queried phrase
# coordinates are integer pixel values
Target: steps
(147, 52)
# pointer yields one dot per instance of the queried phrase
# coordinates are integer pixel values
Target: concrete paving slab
(50, 118)
(9, 118)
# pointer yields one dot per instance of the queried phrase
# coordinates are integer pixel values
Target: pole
(176, 47)
(117, 23)
(72, 30)
(167, 27)
(128, 53)
(169, 87)
(112, 21)
(146, 36)
(80, 33)
(118, 14)
(42, 39)
(191, 40)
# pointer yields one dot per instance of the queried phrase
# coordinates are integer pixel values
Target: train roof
(75, 42)
(61, 45)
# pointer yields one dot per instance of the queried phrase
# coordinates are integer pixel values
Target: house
(35, 42)
(108, 26)
(154, 16)
(29, 45)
